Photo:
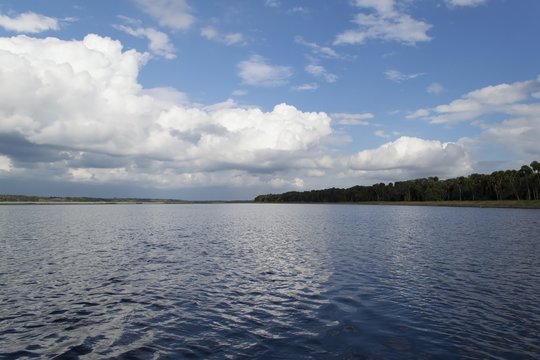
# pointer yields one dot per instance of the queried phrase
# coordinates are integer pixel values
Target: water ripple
(268, 281)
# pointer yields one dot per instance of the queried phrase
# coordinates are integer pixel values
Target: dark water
(268, 281)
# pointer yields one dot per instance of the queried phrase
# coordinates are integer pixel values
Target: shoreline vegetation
(42, 200)
(509, 188)
(54, 200)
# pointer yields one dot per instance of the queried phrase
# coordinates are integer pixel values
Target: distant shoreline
(492, 204)
(82, 200)
(506, 204)
(120, 202)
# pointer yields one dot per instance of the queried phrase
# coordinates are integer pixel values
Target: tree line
(522, 184)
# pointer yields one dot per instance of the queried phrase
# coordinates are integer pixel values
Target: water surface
(268, 281)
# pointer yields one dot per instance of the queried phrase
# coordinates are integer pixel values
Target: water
(268, 281)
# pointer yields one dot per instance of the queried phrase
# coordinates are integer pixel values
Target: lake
(268, 281)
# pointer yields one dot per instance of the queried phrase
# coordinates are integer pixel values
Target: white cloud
(174, 14)
(520, 134)
(29, 22)
(352, 119)
(306, 87)
(5, 163)
(211, 33)
(462, 3)
(160, 43)
(398, 76)
(515, 103)
(487, 100)
(257, 72)
(83, 98)
(386, 22)
(166, 95)
(412, 155)
(351, 37)
(420, 113)
(281, 183)
(321, 72)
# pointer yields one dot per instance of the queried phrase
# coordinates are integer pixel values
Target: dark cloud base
(52, 188)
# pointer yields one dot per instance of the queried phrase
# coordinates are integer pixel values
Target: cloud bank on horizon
(166, 96)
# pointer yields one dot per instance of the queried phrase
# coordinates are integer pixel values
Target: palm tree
(525, 173)
(535, 165)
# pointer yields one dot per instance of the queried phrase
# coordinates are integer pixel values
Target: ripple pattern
(268, 281)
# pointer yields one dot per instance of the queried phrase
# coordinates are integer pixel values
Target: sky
(225, 100)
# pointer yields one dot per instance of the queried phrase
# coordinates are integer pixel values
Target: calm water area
(268, 281)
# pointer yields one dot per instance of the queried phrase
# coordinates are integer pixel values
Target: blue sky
(229, 99)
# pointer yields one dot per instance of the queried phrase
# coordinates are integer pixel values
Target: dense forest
(522, 184)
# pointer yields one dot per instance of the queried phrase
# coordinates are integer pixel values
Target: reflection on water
(268, 281)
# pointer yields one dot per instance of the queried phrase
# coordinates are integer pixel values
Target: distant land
(509, 188)
(52, 200)
(56, 200)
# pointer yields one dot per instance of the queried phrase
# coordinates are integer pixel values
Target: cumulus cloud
(257, 72)
(80, 101)
(174, 14)
(384, 21)
(410, 155)
(29, 22)
(160, 43)
(463, 3)
(73, 111)
(211, 33)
